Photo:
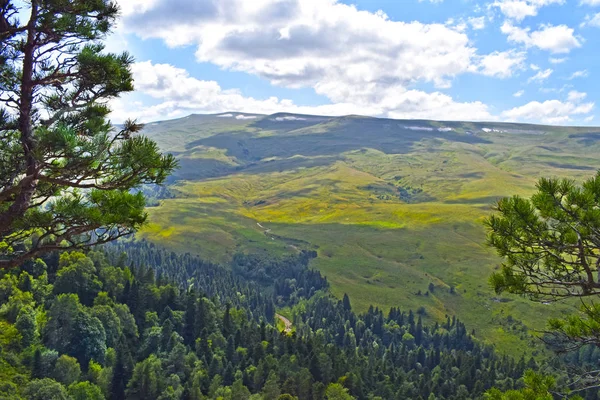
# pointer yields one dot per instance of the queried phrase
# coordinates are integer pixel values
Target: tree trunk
(28, 184)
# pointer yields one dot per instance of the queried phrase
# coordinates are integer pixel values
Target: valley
(394, 209)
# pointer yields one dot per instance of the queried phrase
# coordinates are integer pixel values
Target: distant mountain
(394, 208)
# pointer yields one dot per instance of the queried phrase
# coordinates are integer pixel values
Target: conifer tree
(551, 247)
(66, 173)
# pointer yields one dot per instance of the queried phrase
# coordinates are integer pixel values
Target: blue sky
(507, 60)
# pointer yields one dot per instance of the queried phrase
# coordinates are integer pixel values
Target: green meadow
(394, 209)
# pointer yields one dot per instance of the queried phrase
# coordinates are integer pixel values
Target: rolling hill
(394, 208)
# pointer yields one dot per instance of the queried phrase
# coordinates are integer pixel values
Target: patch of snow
(245, 116)
(491, 130)
(225, 116)
(444, 129)
(289, 118)
(419, 128)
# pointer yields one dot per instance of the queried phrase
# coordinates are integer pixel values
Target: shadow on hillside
(347, 135)
(572, 166)
(587, 138)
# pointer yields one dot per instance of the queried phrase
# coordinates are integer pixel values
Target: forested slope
(78, 326)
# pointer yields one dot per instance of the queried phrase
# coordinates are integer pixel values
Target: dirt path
(286, 322)
(267, 230)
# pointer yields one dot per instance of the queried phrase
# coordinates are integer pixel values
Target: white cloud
(519, 93)
(541, 76)
(500, 64)
(322, 44)
(338, 50)
(575, 96)
(556, 60)
(591, 20)
(591, 2)
(288, 118)
(477, 23)
(534, 67)
(180, 94)
(555, 89)
(589, 119)
(363, 62)
(579, 74)
(551, 111)
(136, 6)
(555, 39)
(519, 9)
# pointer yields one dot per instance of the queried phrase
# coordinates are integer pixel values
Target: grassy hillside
(390, 206)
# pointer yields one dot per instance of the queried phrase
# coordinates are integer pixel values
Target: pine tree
(65, 173)
(190, 320)
(551, 247)
(118, 380)
(346, 303)
(36, 367)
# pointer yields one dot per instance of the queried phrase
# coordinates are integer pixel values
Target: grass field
(390, 206)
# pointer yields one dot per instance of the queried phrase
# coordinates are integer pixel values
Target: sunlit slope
(390, 206)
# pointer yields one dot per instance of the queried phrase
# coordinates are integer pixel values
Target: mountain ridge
(360, 116)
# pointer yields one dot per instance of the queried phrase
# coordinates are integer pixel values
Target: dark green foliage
(537, 387)
(66, 370)
(45, 389)
(346, 302)
(27, 326)
(253, 283)
(85, 391)
(551, 247)
(182, 344)
(550, 242)
(66, 176)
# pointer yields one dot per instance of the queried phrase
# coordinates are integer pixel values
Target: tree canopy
(66, 173)
(551, 247)
(550, 242)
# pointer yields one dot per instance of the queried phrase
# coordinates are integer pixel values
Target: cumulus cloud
(180, 94)
(541, 76)
(551, 111)
(579, 74)
(575, 96)
(561, 89)
(519, 93)
(556, 60)
(477, 23)
(591, 20)
(590, 2)
(309, 43)
(363, 62)
(520, 9)
(332, 47)
(501, 64)
(555, 39)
